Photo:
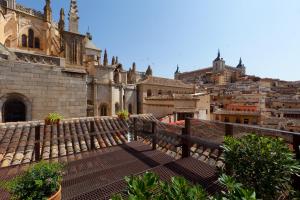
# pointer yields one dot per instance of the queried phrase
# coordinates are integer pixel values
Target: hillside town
(76, 123)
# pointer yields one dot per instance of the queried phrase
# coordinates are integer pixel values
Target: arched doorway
(103, 110)
(14, 110)
(15, 107)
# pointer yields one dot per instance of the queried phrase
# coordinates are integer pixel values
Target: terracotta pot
(57, 195)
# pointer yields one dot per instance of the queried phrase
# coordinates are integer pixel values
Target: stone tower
(61, 23)
(218, 63)
(73, 17)
(48, 11)
(241, 67)
(11, 4)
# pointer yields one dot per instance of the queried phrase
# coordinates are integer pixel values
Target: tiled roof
(69, 137)
(152, 80)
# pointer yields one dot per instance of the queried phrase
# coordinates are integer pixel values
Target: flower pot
(57, 195)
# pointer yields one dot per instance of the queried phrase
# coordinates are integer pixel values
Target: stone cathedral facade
(47, 66)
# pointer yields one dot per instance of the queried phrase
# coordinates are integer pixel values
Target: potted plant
(124, 114)
(41, 181)
(53, 118)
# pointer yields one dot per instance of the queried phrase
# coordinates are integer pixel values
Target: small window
(24, 40)
(117, 108)
(159, 92)
(246, 121)
(130, 108)
(30, 38)
(37, 43)
(103, 110)
(149, 93)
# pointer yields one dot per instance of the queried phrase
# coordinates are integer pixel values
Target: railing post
(228, 129)
(154, 137)
(296, 144)
(92, 135)
(185, 142)
(135, 129)
(37, 144)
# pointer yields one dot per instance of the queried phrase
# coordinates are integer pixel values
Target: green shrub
(38, 182)
(263, 163)
(53, 118)
(148, 187)
(124, 114)
(234, 190)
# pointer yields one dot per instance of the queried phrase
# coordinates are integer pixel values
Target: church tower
(73, 17)
(218, 64)
(48, 11)
(241, 67)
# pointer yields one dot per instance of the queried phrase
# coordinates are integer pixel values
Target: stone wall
(44, 89)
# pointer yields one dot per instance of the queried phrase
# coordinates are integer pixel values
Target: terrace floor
(99, 174)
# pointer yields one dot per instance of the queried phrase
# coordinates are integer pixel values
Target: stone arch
(15, 107)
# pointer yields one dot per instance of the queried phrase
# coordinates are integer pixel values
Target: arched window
(149, 93)
(130, 108)
(117, 108)
(103, 110)
(30, 38)
(24, 40)
(7, 43)
(37, 43)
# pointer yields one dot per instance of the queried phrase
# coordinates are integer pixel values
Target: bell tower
(73, 17)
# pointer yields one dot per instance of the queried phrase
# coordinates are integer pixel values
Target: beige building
(218, 74)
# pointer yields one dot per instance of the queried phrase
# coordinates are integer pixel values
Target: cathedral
(48, 66)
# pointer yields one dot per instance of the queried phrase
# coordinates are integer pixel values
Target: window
(226, 119)
(130, 108)
(117, 108)
(37, 43)
(246, 121)
(24, 40)
(103, 110)
(159, 92)
(149, 93)
(30, 38)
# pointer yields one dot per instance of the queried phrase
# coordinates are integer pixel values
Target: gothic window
(117, 108)
(30, 38)
(37, 43)
(103, 110)
(130, 108)
(149, 93)
(24, 40)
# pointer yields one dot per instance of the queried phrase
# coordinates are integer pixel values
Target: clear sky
(164, 33)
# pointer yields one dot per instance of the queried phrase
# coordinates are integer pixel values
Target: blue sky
(164, 33)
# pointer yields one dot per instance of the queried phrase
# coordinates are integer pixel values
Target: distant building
(218, 74)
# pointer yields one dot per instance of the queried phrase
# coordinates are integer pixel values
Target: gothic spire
(105, 60)
(177, 70)
(48, 11)
(117, 60)
(240, 64)
(113, 60)
(133, 66)
(61, 23)
(73, 17)
(219, 56)
(149, 71)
